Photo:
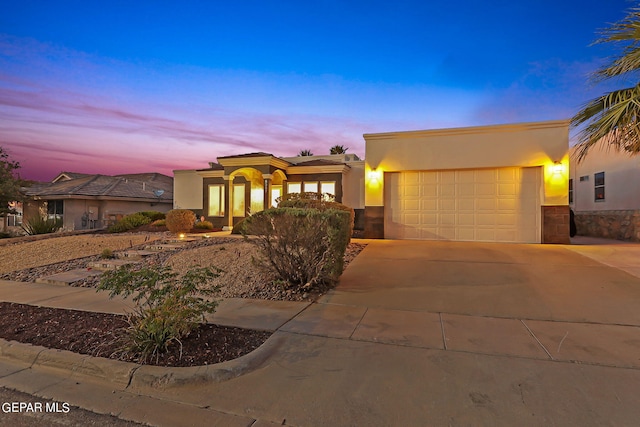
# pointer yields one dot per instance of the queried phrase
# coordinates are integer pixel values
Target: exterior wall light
(557, 168)
(374, 175)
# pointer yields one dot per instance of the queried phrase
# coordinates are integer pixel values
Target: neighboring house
(237, 186)
(604, 193)
(504, 183)
(94, 201)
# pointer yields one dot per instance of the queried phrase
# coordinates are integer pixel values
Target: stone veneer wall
(374, 222)
(621, 225)
(555, 224)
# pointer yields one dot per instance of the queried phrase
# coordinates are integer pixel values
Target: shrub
(306, 196)
(153, 215)
(106, 253)
(129, 222)
(40, 225)
(167, 308)
(204, 225)
(239, 227)
(159, 223)
(320, 205)
(180, 220)
(304, 247)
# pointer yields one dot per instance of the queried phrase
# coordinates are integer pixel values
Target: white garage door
(489, 205)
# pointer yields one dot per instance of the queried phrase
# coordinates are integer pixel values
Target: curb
(134, 376)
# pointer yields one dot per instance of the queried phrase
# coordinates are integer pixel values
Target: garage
(485, 205)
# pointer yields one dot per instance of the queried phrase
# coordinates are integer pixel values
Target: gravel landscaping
(100, 334)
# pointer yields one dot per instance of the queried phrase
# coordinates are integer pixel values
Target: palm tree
(614, 118)
(305, 153)
(338, 149)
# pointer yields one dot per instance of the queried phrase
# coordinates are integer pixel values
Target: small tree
(305, 153)
(338, 149)
(10, 184)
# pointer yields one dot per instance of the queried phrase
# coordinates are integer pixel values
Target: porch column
(228, 208)
(267, 190)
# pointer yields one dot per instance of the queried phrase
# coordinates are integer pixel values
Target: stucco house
(604, 193)
(236, 186)
(95, 201)
(503, 183)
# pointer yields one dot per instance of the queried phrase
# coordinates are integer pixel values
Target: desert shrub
(239, 227)
(159, 223)
(180, 220)
(4, 235)
(303, 247)
(305, 195)
(40, 225)
(204, 225)
(153, 215)
(320, 204)
(168, 306)
(129, 222)
(106, 253)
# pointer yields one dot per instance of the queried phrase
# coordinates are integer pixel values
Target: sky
(153, 86)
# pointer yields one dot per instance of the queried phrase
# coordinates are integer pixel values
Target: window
(216, 200)
(294, 187)
(238, 200)
(570, 190)
(311, 186)
(55, 209)
(328, 188)
(598, 184)
(276, 191)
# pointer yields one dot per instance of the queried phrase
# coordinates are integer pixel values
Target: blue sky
(124, 87)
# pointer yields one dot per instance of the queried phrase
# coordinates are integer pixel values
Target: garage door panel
(507, 189)
(485, 189)
(482, 205)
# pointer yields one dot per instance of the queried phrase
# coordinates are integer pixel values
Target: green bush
(305, 195)
(40, 225)
(159, 223)
(204, 225)
(153, 215)
(129, 222)
(106, 253)
(180, 220)
(168, 306)
(239, 227)
(304, 247)
(320, 205)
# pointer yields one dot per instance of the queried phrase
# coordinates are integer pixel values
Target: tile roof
(137, 186)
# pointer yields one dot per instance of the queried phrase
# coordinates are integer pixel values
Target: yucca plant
(41, 225)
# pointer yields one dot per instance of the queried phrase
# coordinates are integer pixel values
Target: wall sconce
(557, 168)
(374, 175)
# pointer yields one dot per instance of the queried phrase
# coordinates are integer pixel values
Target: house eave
(254, 161)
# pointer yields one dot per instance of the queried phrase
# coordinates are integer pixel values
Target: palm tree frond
(612, 119)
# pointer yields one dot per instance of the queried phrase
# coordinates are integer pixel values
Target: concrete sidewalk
(417, 333)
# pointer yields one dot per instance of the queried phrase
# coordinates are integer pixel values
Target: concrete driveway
(545, 282)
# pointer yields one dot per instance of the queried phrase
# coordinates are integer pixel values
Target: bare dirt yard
(101, 334)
